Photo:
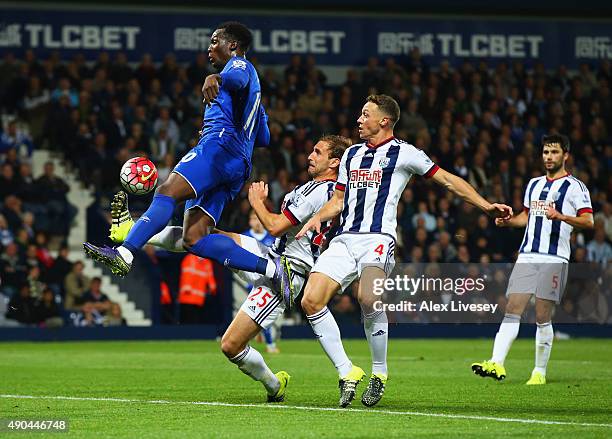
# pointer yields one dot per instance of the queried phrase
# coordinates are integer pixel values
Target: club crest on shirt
(239, 64)
(383, 162)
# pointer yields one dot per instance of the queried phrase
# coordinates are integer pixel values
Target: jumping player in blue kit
(212, 173)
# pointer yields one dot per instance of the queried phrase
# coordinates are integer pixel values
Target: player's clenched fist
(210, 89)
(553, 214)
(258, 192)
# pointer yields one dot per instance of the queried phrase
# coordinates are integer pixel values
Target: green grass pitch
(149, 389)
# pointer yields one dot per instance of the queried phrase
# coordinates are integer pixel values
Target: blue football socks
(268, 336)
(151, 222)
(225, 251)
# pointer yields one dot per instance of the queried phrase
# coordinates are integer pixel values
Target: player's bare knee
(517, 303)
(230, 346)
(191, 237)
(189, 241)
(516, 309)
(366, 302)
(166, 189)
(310, 304)
(543, 315)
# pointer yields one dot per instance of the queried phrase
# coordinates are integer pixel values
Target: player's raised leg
(376, 327)
(318, 292)
(199, 222)
(195, 236)
(507, 333)
(119, 259)
(543, 340)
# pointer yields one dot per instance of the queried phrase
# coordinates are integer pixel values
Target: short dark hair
(337, 145)
(238, 32)
(387, 105)
(562, 140)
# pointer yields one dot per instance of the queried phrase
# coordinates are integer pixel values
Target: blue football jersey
(237, 110)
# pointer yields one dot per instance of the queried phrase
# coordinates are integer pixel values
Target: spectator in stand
(598, 250)
(8, 182)
(22, 306)
(604, 217)
(165, 122)
(59, 270)
(17, 139)
(46, 311)
(6, 236)
(53, 190)
(75, 286)
(94, 299)
(114, 317)
(12, 212)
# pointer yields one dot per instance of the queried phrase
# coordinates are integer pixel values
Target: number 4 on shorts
(379, 249)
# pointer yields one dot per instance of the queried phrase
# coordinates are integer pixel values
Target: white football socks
(376, 327)
(326, 330)
(125, 254)
(170, 238)
(543, 345)
(270, 269)
(251, 363)
(508, 330)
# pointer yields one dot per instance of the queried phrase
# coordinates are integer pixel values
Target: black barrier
(210, 332)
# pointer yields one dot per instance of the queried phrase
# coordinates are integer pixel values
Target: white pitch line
(315, 409)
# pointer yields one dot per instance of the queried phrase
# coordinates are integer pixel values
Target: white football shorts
(349, 253)
(263, 304)
(539, 274)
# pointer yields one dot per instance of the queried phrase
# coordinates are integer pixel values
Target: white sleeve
(306, 203)
(580, 199)
(419, 163)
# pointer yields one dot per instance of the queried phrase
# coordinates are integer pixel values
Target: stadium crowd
(481, 122)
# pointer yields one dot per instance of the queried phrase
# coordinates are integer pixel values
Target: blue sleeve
(263, 132)
(235, 78)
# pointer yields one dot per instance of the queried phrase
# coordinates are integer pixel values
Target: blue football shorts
(215, 176)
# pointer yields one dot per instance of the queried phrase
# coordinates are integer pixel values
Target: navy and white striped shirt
(570, 197)
(299, 206)
(373, 178)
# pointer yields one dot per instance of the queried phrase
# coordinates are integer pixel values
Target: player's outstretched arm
(519, 220)
(584, 221)
(276, 224)
(330, 210)
(463, 189)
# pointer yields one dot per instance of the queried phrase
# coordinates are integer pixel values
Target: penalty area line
(313, 409)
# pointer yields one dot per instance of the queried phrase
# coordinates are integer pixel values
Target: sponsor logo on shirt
(539, 207)
(365, 178)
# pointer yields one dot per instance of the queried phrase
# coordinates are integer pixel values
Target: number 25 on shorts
(263, 299)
